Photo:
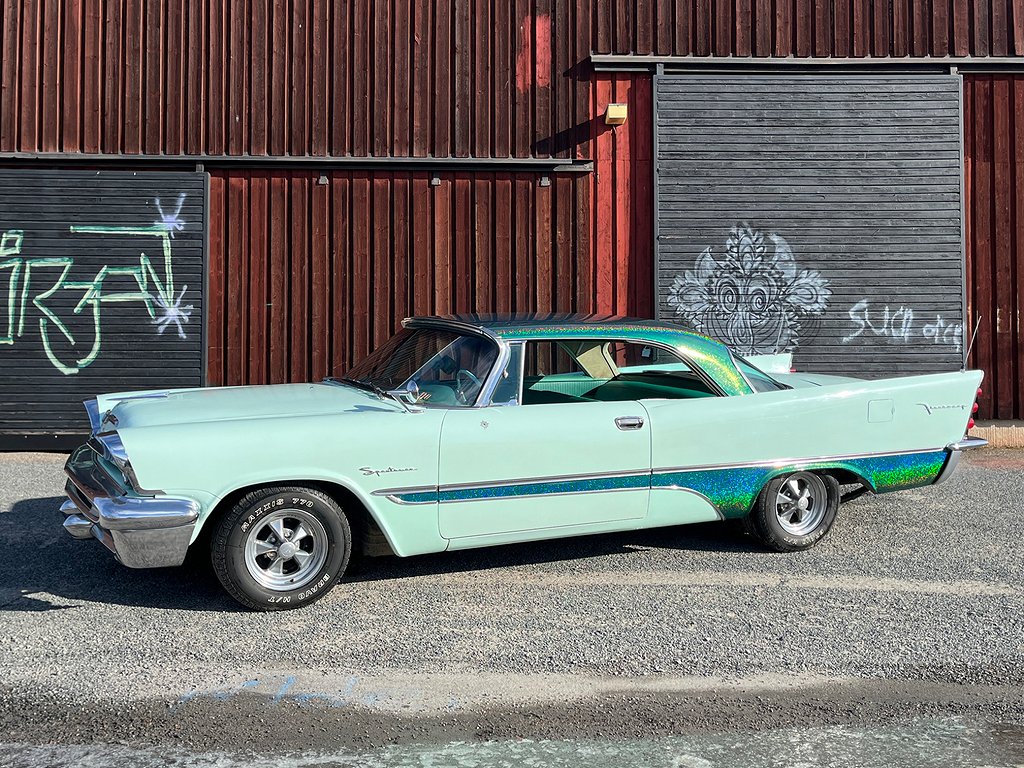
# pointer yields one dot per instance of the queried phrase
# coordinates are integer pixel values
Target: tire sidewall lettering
(264, 508)
(338, 543)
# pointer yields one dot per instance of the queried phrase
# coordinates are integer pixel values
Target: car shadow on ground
(715, 537)
(51, 563)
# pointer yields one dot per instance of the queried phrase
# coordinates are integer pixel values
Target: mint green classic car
(471, 431)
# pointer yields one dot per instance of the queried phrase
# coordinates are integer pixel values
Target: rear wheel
(795, 511)
(281, 547)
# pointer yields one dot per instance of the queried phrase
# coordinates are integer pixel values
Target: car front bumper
(141, 531)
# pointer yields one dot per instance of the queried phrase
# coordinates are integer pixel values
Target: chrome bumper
(953, 458)
(141, 531)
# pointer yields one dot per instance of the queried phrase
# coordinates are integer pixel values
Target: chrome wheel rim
(286, 550)
(800, 503)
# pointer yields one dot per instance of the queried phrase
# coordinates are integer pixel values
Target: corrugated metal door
(814, 213)
(101, 289)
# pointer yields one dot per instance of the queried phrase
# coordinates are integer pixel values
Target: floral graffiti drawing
(753, 297)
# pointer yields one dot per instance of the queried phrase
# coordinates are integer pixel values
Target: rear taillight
(974, 409)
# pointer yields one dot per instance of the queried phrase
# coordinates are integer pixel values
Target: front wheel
(281, 547)
(795, 511)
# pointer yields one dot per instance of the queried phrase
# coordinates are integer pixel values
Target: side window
(647, 372)
(455, 375)
(632, 357)
(588, 370)
(553, 372)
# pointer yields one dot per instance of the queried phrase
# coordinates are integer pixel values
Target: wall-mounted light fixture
(322, 181)
(615, 114)
(435, 180)
(545, 181)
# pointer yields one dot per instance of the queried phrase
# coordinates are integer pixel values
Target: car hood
(179, 406)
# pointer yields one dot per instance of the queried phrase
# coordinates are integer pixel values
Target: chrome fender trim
(954, 450)
(967, 443)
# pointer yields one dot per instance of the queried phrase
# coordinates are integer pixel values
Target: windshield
(437, 367)
(758, 379)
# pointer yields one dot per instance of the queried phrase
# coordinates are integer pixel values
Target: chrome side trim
(793, 462)
(406, 503)
(410, 489)
(394, 494)
(545, 479)
(551, 495)
(967, 443)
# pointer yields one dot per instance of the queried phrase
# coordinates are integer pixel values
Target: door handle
(629, 422)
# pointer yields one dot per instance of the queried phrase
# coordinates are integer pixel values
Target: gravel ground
(914, 605)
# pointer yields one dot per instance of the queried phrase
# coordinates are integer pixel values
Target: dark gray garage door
(817, 214)
(101, 290)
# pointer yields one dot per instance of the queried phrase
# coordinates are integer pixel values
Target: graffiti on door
(901, 327)
(754, 296)
(45, 284)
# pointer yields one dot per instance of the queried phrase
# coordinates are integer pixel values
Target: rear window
(758, 379)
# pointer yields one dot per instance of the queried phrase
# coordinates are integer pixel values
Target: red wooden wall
(403, 77)
(306, 278)
(994, 228)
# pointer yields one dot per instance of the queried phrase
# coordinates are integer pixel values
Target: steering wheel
(467, 386)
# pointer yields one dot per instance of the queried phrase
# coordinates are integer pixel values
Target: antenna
(974, 336)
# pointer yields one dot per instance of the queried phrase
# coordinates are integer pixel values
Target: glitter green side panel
(554, 488)
(897, 473)
(732, 490)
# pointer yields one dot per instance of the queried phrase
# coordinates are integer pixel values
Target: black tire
(249, 525)
(767, 524)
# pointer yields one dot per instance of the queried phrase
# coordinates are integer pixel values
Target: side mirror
(410, 393)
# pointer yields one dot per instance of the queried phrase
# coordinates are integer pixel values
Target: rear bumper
(953, 451)
(141, 531)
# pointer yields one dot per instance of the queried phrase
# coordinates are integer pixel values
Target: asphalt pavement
(906, 622)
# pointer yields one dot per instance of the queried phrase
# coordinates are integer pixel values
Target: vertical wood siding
(306, 278)
(502, 78)
(994, 229)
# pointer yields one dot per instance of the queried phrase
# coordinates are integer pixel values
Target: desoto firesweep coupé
(468, 432)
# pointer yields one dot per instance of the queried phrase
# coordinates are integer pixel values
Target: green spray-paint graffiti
(37, 281)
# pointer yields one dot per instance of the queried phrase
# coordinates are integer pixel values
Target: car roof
(520, 326)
